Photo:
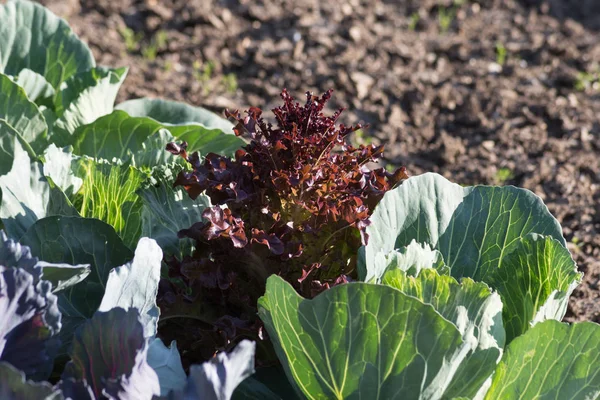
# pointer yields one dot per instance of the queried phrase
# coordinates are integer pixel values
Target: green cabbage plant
(462, 296)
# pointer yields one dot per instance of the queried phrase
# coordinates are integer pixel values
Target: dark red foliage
(295, 202)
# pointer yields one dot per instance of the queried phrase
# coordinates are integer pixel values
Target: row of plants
(156, 250)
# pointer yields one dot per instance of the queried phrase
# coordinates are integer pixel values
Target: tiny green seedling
(132, 39)
(390, 168)
(586, 80)
(445, 17)
(503, 175)
(414, 21)
(203, 72)
(501, 53)
(158, 43)
(361, 138)
(230, 82)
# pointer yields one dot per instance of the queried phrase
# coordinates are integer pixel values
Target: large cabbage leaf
(175, 113)
(217, 379)
(61, 276)
(117, 135)
(135, 285)
(474, 309)
(476, 229)
(22, 114)
(361, 340)
(410, 259)
(86, 97)
(167, 210)
(35, 86)
(552, 360)
(109, 353)
(29, 322)
(130, 139)
(76, 240)
(26, 194)
(15, 386)
(535, 281)
(62, 167)
(200, 128)
(166, 362)
(35, 38)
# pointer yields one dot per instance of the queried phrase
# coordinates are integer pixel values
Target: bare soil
(491, 92)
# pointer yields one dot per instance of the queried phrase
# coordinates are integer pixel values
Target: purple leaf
(29, 323)
(109, 352)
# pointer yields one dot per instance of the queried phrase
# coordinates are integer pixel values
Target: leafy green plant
(86, 157)
(484, 268)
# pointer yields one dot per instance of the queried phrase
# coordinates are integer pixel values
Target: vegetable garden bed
(268, 256)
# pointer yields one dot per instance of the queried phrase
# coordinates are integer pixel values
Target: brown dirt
(433, 92)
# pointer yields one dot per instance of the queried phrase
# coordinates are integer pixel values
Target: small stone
(494, 68)
(354, 33)
(363, 83)
(488, 145)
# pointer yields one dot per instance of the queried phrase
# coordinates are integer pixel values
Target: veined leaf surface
(360, 340)
(33, 37)
(476, 312)
(552, 360)
(483, 233)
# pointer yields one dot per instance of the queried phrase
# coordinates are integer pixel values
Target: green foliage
(108, 193)
(33, 38)
(346, 343)
(552, 360)
(230, 82)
